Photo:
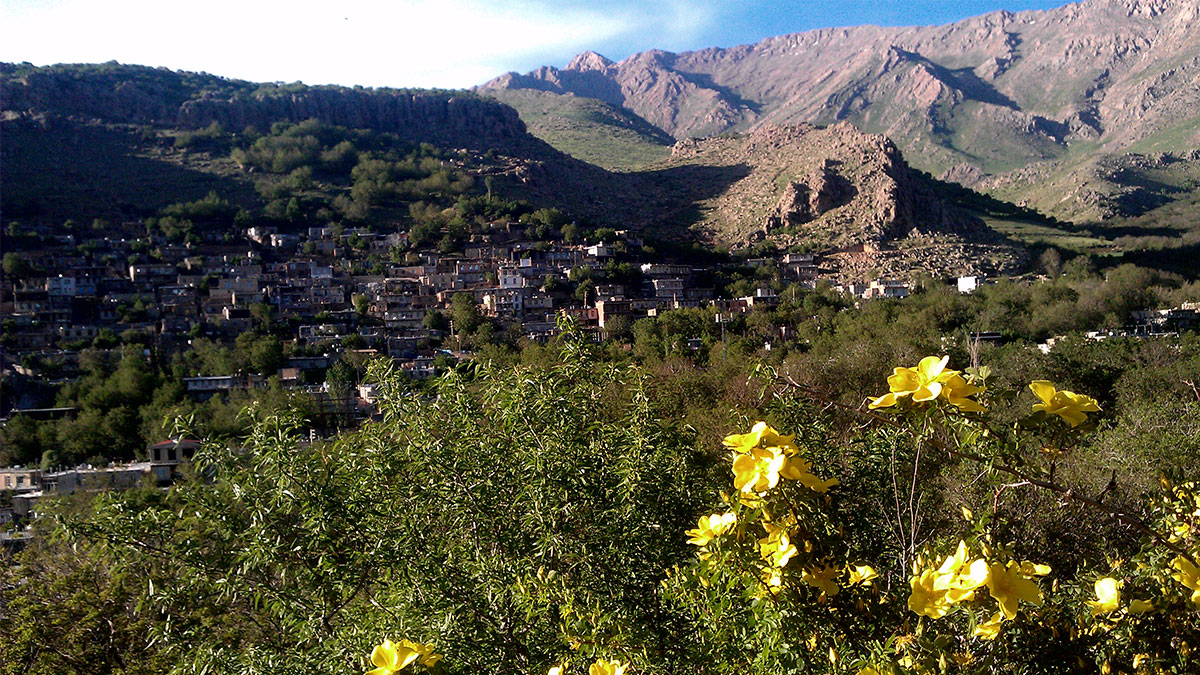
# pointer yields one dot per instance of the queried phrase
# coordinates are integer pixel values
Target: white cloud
(447, 43)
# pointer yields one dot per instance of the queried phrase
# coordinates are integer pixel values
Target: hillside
(594, 131)
(119, 143)
(977, 101)
(119, 94)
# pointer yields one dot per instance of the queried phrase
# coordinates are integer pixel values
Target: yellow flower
(428, 658)
(958, 578)
(867, 671)
(602, 667)
(797, 468)
(759, 470)
(1140, 606)
(955, 390)
(776, 547)
(989, 629)
(557, 670)
(1188, 575)
(1067, 405)
(923, 383)
(925, 598)
(711, 527)
(861, 574)
(1108, 596)
(962, 585)
(760, 434)
(1010, 584)
(1030, 569)
(953, 563)
(822, 579)
(390, 657)
(928, 381)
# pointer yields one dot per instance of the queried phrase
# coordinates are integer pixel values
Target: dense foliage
(123, 399)
(517, 518)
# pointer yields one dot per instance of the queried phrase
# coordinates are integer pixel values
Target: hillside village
(311, 288)
(314, 282)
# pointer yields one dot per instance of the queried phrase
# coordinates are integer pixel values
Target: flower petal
(1043, 389)
(931, 367)
(886, 401)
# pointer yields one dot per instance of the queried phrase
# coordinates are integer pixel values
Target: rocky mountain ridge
(835, 188)
(967, 101)
(133, 95)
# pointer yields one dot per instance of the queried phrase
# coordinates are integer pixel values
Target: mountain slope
(589, 129)
(984, 96)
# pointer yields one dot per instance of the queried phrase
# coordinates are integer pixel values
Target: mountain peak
(589, 60)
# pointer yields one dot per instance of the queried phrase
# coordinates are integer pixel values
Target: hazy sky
(419, 43)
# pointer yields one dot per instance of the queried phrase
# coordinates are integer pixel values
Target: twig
(1192, 384)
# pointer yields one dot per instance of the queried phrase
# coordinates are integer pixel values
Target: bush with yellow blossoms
(777, 586)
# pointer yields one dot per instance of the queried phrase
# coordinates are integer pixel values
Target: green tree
(361, 303)
(465, 316)
(585, 292)
(67, 608)
(17, 266)
(435, 320)
(503, 543)
(266, 355)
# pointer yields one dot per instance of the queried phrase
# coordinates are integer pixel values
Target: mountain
(126, 143)
(979, 101)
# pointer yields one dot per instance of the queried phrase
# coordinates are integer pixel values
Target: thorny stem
(1062, 490)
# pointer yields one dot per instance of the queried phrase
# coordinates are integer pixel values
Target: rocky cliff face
(833, 186)
(982, 96)
(836, 188)
(467, 121)
(134, 95)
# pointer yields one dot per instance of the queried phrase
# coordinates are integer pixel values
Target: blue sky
(419, 43)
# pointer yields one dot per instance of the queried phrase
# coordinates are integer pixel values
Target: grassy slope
(589, 130)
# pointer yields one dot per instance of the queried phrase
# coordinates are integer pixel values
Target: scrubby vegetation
(516, 518)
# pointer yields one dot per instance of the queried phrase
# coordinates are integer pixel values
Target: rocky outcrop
(832, 186)
(463, 120)
(823, 190)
